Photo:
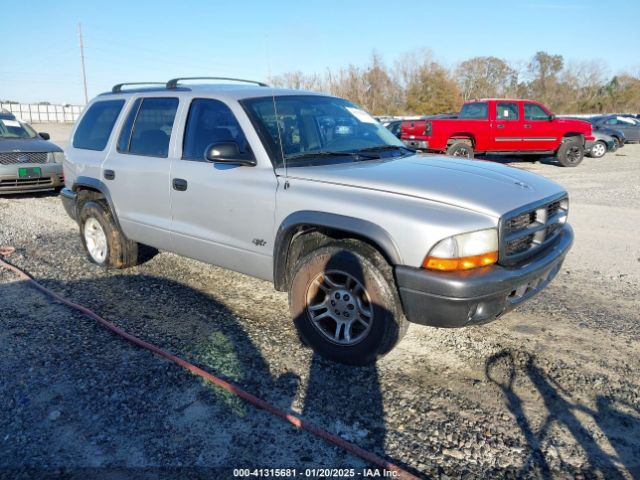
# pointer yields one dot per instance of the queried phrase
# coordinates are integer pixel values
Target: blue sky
(155, 40)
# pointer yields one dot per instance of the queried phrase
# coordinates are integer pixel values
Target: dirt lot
(550, 390)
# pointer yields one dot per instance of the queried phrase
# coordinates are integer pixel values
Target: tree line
(417, 84)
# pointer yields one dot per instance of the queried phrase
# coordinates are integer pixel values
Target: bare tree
(418, 84)
(483, 77)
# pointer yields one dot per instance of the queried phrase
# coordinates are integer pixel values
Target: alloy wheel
(339, 307)
(95, 239)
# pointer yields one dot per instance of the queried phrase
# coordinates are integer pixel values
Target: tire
(617, 142)
(345, 305)
(570, 153)
(104, 242)
(598, 149)
(460, 149)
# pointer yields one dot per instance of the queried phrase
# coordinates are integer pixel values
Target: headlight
(55, 157)
(464, 251)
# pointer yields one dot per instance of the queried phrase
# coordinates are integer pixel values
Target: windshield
(11, 128)
(317, 129)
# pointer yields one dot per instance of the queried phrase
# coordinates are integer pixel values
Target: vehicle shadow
(123, 408)
(507, 368)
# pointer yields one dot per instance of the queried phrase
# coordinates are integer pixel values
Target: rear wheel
(599, 149)
(345, 305)
(460, 149)
(617, 141)
(103, 240)
(570, 153)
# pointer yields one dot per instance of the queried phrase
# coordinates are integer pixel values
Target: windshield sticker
(361, 115)
(11, 123)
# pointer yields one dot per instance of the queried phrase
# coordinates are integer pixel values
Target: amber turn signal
(462, 263)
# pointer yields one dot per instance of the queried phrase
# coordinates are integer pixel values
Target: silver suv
(310, 192)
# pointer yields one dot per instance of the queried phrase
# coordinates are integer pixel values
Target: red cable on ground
(258, 402)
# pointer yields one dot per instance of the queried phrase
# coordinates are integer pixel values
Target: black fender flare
(356, 226)
(96, 184)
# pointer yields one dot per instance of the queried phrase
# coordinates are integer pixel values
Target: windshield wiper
(355, 155)
(382, 148)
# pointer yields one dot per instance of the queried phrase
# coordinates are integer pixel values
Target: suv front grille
(526, 231)
(17, 158)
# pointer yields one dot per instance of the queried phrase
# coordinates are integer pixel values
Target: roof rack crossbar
(173, 83)
(118, 88)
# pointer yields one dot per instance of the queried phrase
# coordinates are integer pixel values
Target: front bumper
(417, 144)
(459, 299)
(68, 198)
(10, 182)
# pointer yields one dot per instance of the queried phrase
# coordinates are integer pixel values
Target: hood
(27, 145)
(481, 186)
(580, 126)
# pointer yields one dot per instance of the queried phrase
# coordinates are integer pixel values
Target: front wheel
(460, 149)
(570, 153)
(599, 149)
(344, 304)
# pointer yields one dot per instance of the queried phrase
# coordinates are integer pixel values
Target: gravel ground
(550, 390)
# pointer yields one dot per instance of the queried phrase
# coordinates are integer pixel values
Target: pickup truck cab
(311, 193)
(501, 126)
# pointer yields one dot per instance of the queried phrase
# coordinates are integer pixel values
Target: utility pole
(84, 73)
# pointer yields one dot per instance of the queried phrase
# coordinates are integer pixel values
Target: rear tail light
(427, 129)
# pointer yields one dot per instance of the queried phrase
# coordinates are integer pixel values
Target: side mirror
(229, 152)
(44, 135)
(552, 117)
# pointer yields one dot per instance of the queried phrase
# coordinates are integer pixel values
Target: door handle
(500, 125)
(179, 184)
(526, 125)
(109, 175)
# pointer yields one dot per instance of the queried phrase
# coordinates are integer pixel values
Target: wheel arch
(572, 136)
(95, 190)
(304, 231)
(461, 136)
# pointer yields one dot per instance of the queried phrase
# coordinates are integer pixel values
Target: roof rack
(118, 88)
(173, 83)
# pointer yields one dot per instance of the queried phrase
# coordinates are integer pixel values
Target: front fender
(355, 226)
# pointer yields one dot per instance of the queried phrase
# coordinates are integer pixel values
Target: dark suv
(28, 161)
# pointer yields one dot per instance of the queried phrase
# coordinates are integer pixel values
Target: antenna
(84, 73)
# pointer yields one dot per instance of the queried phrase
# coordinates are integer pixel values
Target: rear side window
(534, 112)
(507, 111)
(147, 130)
(94, 129)
(475, 111)
(210, 121)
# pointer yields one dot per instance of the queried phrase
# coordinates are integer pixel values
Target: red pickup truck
(500, 126)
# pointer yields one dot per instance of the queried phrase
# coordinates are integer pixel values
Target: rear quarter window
(96, 125)
(475, 111)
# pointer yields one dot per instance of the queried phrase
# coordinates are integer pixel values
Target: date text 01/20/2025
(314, 472)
